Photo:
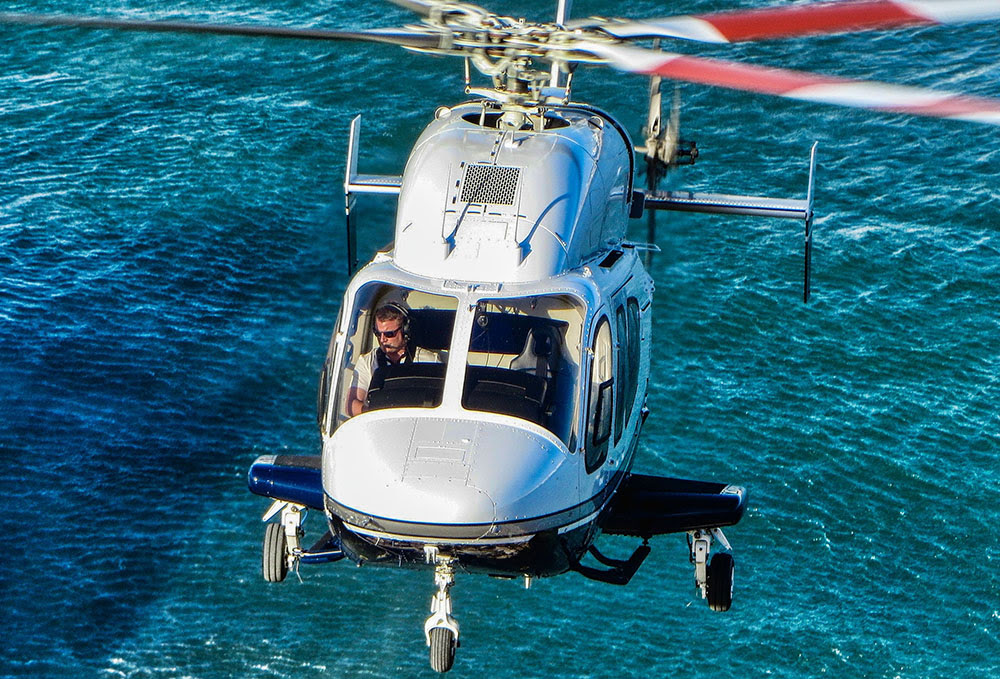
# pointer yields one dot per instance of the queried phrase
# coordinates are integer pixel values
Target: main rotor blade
(797, 20)
(798, 84)
(395, 36)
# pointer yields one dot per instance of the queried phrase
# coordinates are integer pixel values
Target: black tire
(442, 649)
(274, 565)
(720, 581)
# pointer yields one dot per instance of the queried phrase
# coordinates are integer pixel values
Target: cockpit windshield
(523, 356)
(524, 360)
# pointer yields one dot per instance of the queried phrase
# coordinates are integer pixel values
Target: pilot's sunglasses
(388, 334)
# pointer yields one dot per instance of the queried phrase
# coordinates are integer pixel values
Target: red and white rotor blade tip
(798, 84)
(809, 19)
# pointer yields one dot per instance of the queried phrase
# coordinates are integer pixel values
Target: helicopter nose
(407, 469)
(443, 470)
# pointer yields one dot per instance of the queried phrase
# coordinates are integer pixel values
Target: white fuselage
(509, 255)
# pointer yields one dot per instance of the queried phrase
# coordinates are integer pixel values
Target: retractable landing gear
(714, 579)
(281, 540)
(441, 629)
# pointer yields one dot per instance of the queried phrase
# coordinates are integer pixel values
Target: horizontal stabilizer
(725, 204)
(355, 183)
(292, 478)
(365, 183)
(652, 505)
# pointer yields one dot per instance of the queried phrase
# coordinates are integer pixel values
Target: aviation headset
(405, 326)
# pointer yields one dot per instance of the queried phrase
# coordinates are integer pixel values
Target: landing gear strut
(713, 578)
(441, 630)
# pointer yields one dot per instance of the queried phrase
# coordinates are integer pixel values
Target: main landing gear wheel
(443, 646)
(720, 581)
(281, 540)
(274, 564)
(713, 578)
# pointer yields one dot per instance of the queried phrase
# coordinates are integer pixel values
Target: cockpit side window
(524, 361)
(326, 415)
(395, 350)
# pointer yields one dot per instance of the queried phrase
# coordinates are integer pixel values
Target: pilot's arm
(356, 401)
(358, 391)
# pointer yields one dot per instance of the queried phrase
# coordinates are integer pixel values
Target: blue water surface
(171, 263)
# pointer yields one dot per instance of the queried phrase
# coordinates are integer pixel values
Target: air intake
(490, 184)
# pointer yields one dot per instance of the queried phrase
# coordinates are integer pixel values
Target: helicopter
(511, 451)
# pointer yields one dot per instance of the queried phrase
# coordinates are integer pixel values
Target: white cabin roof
(488, 204)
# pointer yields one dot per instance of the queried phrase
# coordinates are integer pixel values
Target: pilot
(392, 330)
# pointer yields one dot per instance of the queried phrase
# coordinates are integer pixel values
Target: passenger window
(634, 338)
(621, 345)
(602, 416)
(599, 412)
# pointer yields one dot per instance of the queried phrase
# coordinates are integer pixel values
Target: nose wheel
(443, 643)
(440, 629)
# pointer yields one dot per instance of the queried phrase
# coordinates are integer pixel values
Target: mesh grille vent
(490, 184)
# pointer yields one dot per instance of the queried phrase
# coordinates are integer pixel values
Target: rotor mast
(562, 15)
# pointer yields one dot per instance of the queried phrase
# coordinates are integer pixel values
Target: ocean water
(171, 263)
